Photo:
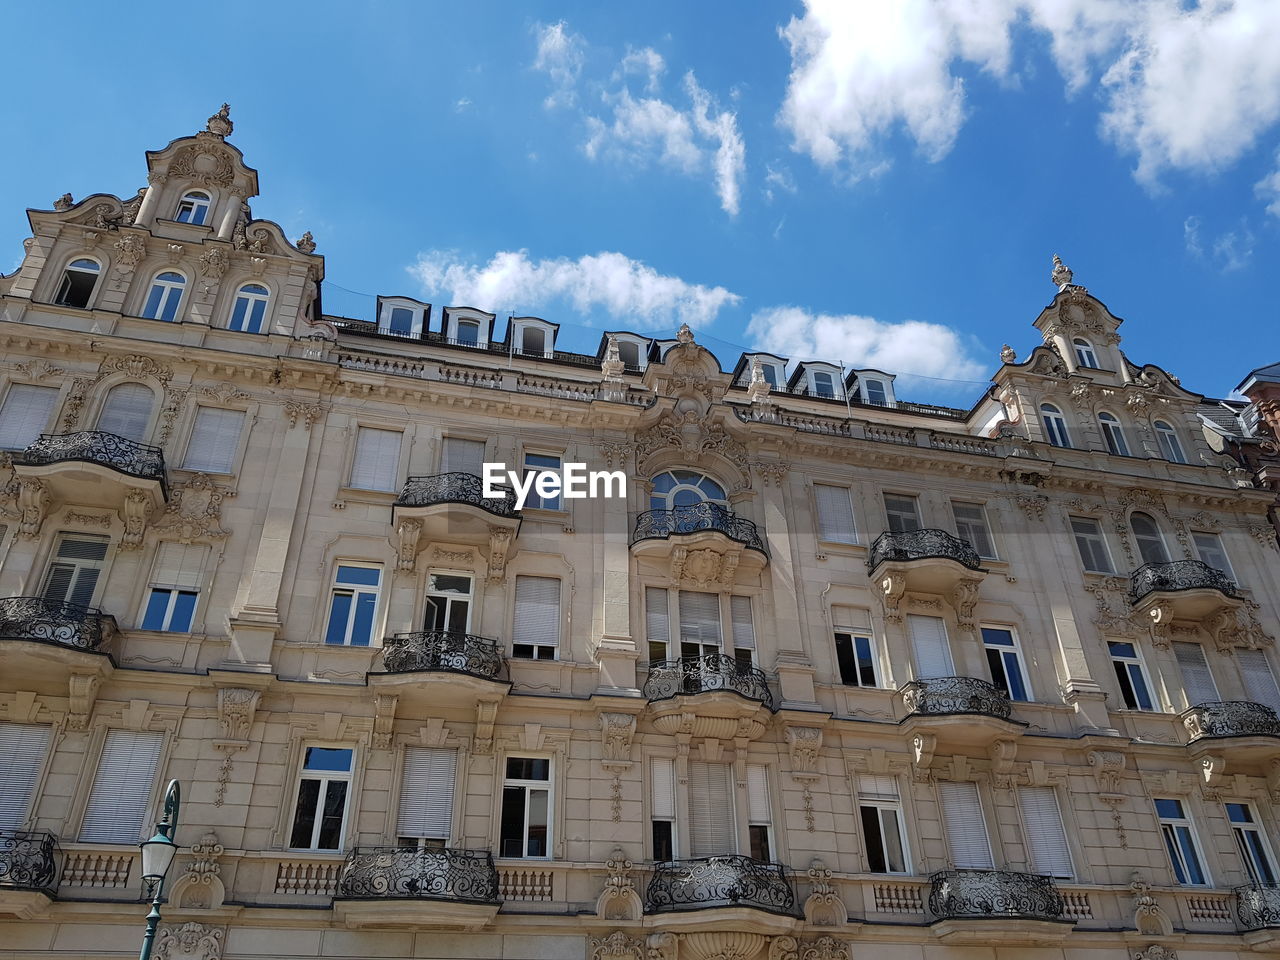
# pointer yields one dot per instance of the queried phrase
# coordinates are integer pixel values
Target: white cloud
(461, 104)
(646, 62)
(626, 289)
(731, 153)
(560, 56)
(777, 178)
(1268, 189)
(910, 347)
(1230, 251)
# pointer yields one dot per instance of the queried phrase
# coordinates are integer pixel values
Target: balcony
(737, 893)
(705, 543)
(1258, 910)
(96, 469)
(1181, 589)
(444, 888)
(49, 644)
(442, 668)
(27, 873)
(452, 508)
(1242, 731)
(926, 561)
(714, 696)
(932, 706)
(996, 906)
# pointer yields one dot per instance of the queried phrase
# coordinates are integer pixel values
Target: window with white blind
(1259, 681)
(535, 635)
(324, 791)
(759, 815)
(971, 525)
(175, 587)
(462, 456)
(902, 511)
(127, 411)
(425, 816)
(1209, 550)
(657, 623)
(967, 845)
(662, 790)
(1091, 544)
(1197, 678)
(880, 810)
(215, 438)
(1047, 848)
(712, 830)
(700, 634)
(74, 570)
(122, 787)
(929, 643)
(835, 514)
(23, 747)
(25, 414)
(377, 459)
(744, 631)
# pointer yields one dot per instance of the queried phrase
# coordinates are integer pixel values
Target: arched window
(1055, 425)
(823, 385)
(78, 281)
(683, 488)
(250, 308)
(629, 352)
(1169, 445)
(873, 391)
(1113, 434)
(1085, 357)
(468, 333)
(165, 296)
(127, 411)
(1150, 541)
(193, 207)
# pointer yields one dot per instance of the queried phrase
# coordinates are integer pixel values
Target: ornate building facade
(840, 674)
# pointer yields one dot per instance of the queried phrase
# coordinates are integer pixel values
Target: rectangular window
(526, 808)
(425, 816)
(903, 513)
(1259, 681)
(377, 459)
(462, 456)
(121, 787)
(215, 438)
(449, 603)
(1092, 546)
(657, 623)
(1251, 843)
(175, 587)
(1209, 550)
(967, 844)
(1004, 659)
(744, 631)
(759, 817)
(73, 572)
(880, 810)
(835, 514)
(663, 790)
(23, 747)
(1130, 674)
(855, 649)
(1180, 843)
(536, 633)
(1047, 847)
(353, 604)
(929, 642)
(699, 624)
(320, 813)
(712, 830)
(971, 525)
(541, 463)
(1197, 679)
(25, 414)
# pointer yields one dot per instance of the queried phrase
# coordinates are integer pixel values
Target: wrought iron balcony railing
(1178, 575)
(696, 518)
(984, 894)
(52, 621)
(429, 651)
(922, 545)
(941, 696)
(94, 446)
(717, 671)
(710, 882)
(464, 488)
(1258, 906)
(1232, 718)
(26, 860)
(419, 873)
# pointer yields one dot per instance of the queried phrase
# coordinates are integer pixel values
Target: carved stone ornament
(923, 747)
(804, 745)
(825, 948)
(137, 505)
(661, 946)
(612, 366)
(384, 719)
(82, 692)
(201, 887)
(616, 732)
(1061, 275)
(1108, 766)
(773, 473)
(705, 567)
(692, 435)
(130, 250)
(136, 366)
(39, 370)
(758, 387)
(1156, 952)
(1148, 916)
(619, 899)
(308, 413)
(26, 500)
(617, 946)
(205, 163)
(824, 908)
(194, 512)
(236, 708)
(1033, 505)
(213, 264)
(499, 545)
(306, 243)
(1007, 354)
(191, 941)
(64, 203)
(220, 124)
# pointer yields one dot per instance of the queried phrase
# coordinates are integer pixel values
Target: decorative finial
(684, 334)
(220, 124)
(758, 388)
(1007, 355)
(1061, 275)
(306, 243)
(64, 202)
(612, 366)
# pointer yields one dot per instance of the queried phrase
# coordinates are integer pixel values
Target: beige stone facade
(840, 676)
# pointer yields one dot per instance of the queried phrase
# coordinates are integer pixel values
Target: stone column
(617, 651)
(230, 216)
(795, 673)
(150, 200)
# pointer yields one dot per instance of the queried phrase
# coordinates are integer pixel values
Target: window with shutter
(1259, 681)
(929, 641)
(25, 414)
(1197, 678)
(712, 831)
(1047, 846)
(462, 456)
(971, 525)
(426, 795)
(377, 459)
(23, 747)
(215, 438)
(880, 811)
(835, 514)
(536, 632)
(699, 623)
(662, 784)
(744, 633)
(967, 843)
(127, 411)
(122, 787)
(657, 623)
(73, 572)
(175, 587)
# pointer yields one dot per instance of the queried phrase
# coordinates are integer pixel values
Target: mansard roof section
(628, 335)
(742, 369)
(205, 159)
(1268, 374)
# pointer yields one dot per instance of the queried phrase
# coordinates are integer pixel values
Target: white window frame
(386, 310)
(113, 799)
(663, 808)
(830, 528)
(866, 383)
(430, 760)
(1056, 430)
(548, 338)
(1239, 830)
(1183, 646)
(760, 810)
(1086, 356)
(169, 290)
(49, 394)
(251, 299)
(1217, 547)
(890, 513)
(26, 750)
(1015, 652)
(836, 386)
(882, 805)
(1132, 663)
(1169, 829)
(195, 202)
(1159, 538)
(1113, 434)
(392, 482)
(355, 591)
(79, 565)
(203, 461)
(534, 501)
(528, 785)
(1170, 444)
(325, 777)
(118, 390)
(64, 284)
(449, 599)
(1097, 536)
(990, 552)
(1025, 792)
(948, 830)
(539, 648)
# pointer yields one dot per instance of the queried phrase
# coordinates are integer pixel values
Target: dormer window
(402, 318)
(629, 352)
(770, 373)
(1085, 356)
(193, 207)
(533, 340)
(468, 333)
(78, 282)
(873, 392)
(823, 384)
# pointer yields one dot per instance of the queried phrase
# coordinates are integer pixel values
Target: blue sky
(879, 183)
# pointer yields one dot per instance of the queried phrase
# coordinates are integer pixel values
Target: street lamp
(157, 857)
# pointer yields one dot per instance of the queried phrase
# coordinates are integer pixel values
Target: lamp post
(157, 857)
